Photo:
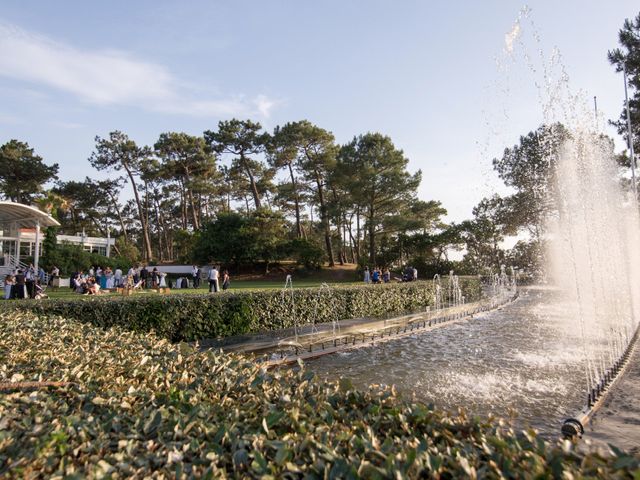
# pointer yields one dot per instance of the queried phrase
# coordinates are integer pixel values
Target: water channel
(523, 361)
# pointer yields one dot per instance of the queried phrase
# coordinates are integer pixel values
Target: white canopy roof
(25, 215)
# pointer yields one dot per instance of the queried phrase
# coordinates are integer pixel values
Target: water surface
(525, 359)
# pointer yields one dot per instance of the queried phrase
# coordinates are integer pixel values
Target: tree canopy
(23, 174)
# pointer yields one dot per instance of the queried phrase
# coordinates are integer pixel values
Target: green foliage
(139, 407)
(119, 152)
(383, 188)
(484, 234)
(528, 257)
(128, 252)
(306, 252)
(50, 242)
(243, 139)
(628, 55)
(193, 317)
(529, 168)
(236, 239)
(22, 173)
(72, 258)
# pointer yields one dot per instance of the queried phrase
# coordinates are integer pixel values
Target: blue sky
(424, 73)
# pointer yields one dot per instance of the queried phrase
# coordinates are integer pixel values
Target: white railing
(12, 264)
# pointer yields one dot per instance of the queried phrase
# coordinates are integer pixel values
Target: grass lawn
(238, 285)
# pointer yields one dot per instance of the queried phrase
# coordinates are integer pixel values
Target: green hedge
(194, 317)
(136, 406)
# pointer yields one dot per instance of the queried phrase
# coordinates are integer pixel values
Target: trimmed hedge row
(199, 316)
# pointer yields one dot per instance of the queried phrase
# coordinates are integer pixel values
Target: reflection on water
(525, 357)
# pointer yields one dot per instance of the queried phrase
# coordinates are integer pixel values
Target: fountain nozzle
(572, 428)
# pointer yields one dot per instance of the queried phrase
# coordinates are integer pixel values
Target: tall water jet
(437, 293)
(594, 251)
(287, 296)
(325, 289)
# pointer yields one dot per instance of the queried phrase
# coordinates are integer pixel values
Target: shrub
(135, 406)
(72, 258)
(198, 316)
(305, 252)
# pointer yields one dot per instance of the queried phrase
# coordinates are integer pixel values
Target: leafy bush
(198, 316)
(236, 239)
(72, 258)
(305, 252)
(135, 406)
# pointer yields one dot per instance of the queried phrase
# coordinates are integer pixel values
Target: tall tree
(529, 168)
(119, 152)
(383, 186)
(86, 207)
(283, 153)
(243, 139)
(23, 173)
(111, 189)
(317, 158)
(628, 55)
(484, 234)
(190, 161)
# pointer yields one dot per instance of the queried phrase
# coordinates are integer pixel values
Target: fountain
(287, 291)
(526, 355)
(594, 251)
(325, 289)
(437, 293)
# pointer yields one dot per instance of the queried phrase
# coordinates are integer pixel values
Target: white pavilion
(17, 219)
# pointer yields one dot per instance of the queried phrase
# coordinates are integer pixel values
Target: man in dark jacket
(144, 276)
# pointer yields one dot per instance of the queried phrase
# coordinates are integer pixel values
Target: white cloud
(111, 77)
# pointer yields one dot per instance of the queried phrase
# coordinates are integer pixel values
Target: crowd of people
(379, 275)
(25, 283)
(98, 279)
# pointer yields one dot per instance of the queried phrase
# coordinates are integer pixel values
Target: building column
(36, 254)
(18, 244)
(108, 243)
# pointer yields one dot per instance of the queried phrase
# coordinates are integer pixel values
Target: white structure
(17, 219)
(100, 245)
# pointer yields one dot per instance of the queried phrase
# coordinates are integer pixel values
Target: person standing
(9, 281)
(117, 278)
(19, 288)
(55, 273)
(226, 280)
(195, 273)
(213, 279)
(386, 275)
(144, 276)
(375, 277)
(415, 274)
(367, 276)
(30, 281)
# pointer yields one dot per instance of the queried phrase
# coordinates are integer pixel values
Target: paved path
(618, 420)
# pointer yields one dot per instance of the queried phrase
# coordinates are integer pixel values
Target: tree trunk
(325, 223)
(196, 224)
(372, 240)
(183, 205)
(145, 228)
(120, 219)
(252, 181)
(296, 200)
(358, 251)
(158, 225)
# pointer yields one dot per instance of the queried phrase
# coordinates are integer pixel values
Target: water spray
(288, 287)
